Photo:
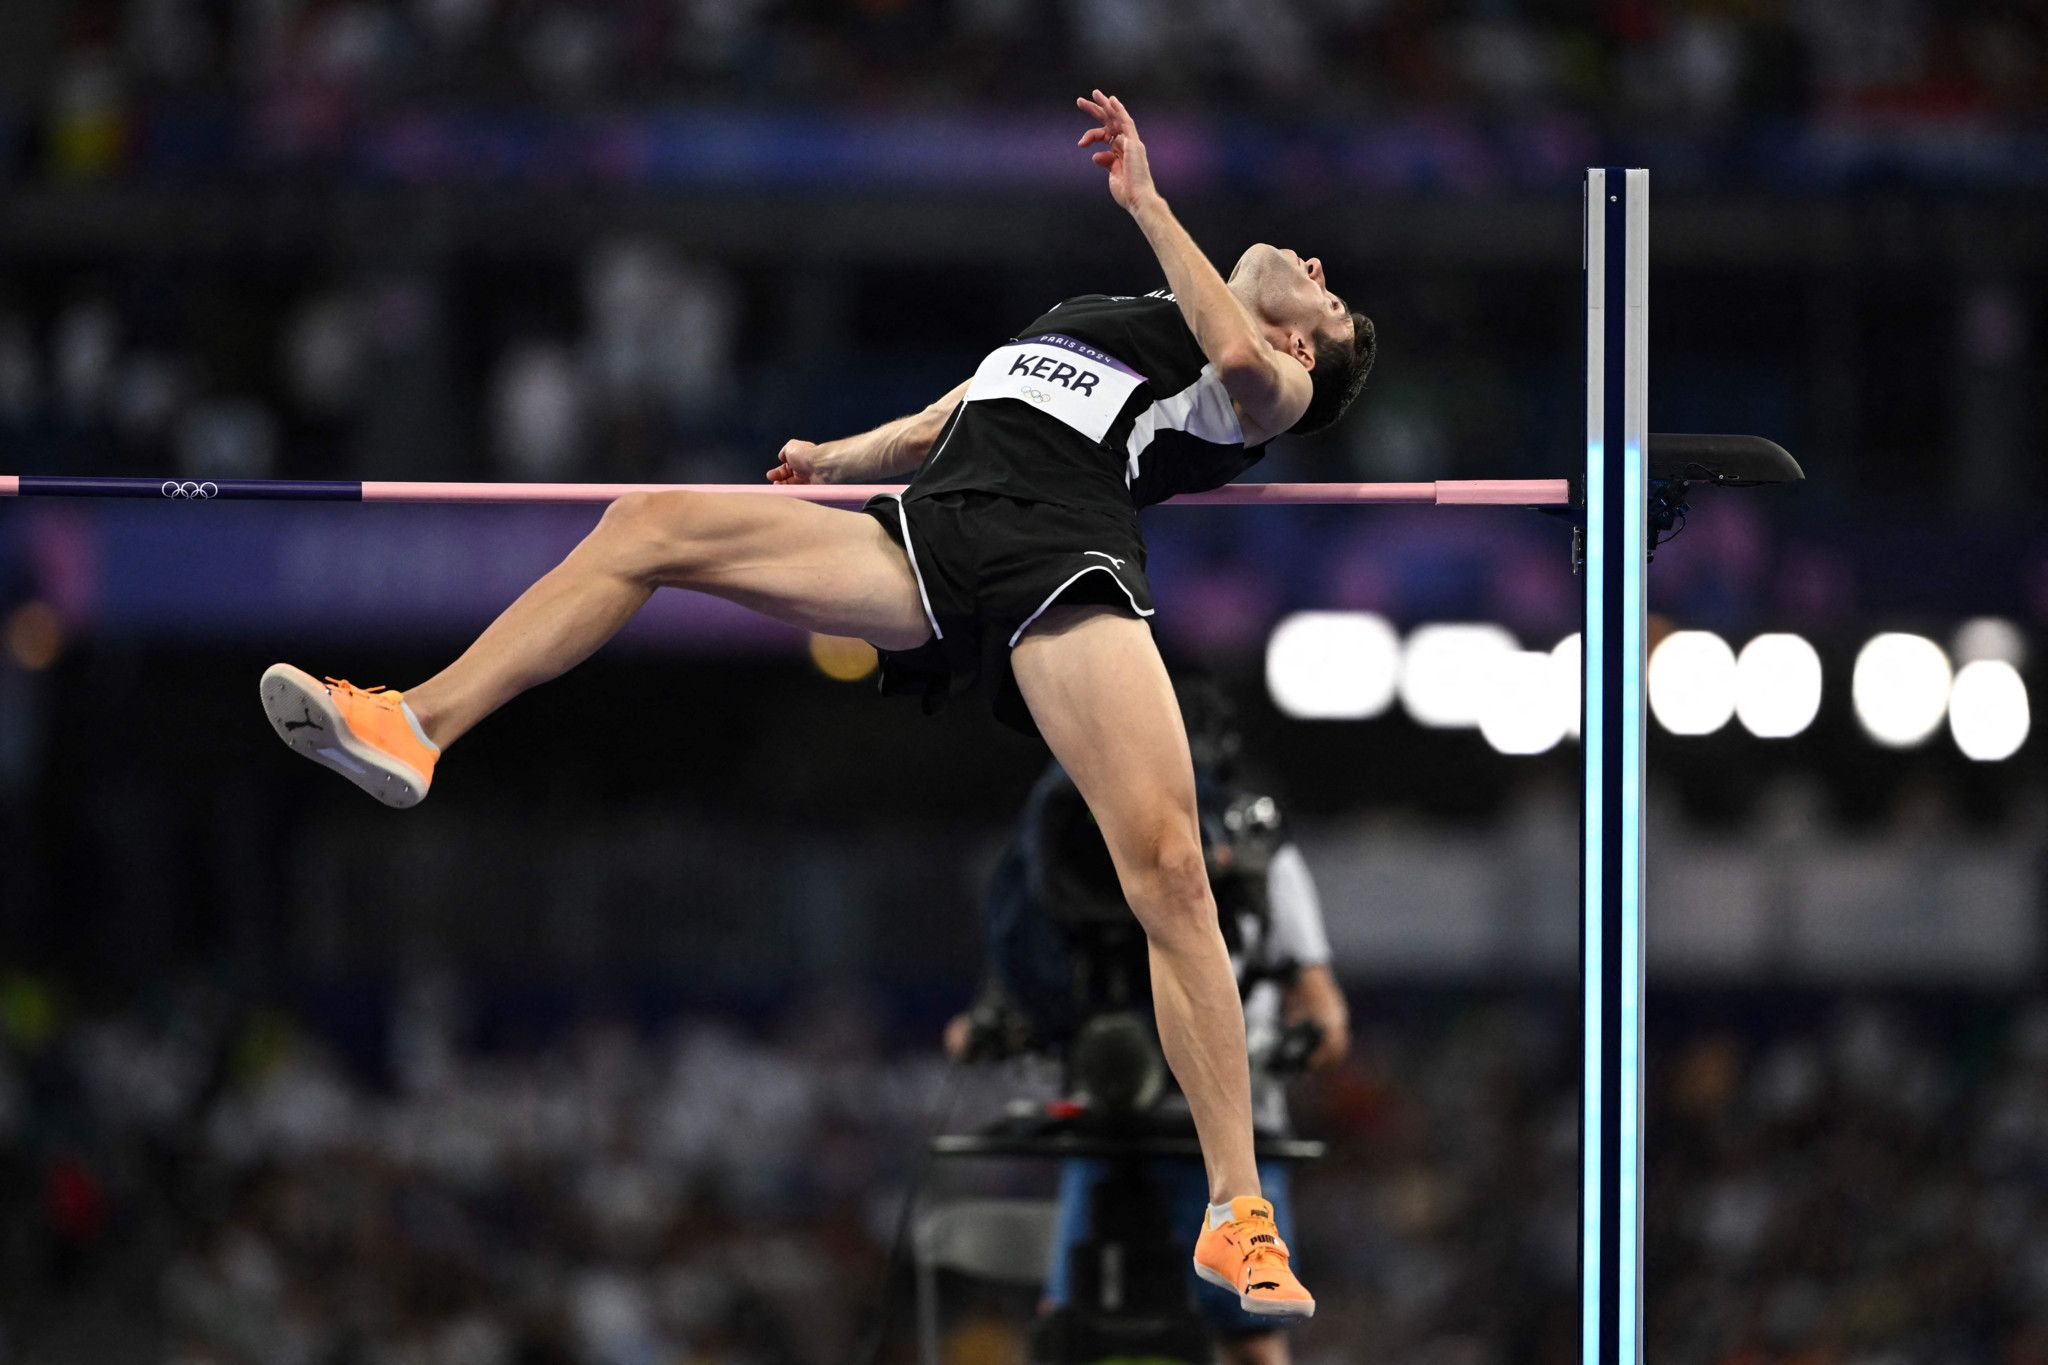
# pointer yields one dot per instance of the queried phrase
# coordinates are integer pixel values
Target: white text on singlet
(1068, 379)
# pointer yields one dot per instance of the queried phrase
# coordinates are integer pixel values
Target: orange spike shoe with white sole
(1246, 1256)
(364, 733)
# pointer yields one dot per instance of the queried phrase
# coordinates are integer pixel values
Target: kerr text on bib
(1060, 376)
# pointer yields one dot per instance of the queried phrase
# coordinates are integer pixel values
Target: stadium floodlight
(1989, 637)
(1692, 682)
(1332, 665)
(1777, 686)
(1568, 663)
(1521, 711)
(1901, 688)
(1987, 710)
(1446, 672)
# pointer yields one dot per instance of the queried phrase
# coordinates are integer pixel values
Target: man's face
(1287, 291)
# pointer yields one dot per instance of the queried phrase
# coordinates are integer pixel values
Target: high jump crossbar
(1613, 552)
(1438, 493)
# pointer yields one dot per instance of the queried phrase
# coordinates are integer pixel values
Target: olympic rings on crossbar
(198, 492)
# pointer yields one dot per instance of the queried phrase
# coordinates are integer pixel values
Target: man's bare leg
(810, 566)
(1095, 684)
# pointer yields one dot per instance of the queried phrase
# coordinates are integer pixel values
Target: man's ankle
(423, 718)
(1222, 1213)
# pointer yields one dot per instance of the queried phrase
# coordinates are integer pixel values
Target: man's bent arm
(1295, 932)
(1221, 325)
(891, 449)
(1268, 388)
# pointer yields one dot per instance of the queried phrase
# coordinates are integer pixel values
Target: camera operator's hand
(958, 1036)
(990, 1032)
(1315, 996)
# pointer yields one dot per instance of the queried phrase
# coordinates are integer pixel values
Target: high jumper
(1013, 560)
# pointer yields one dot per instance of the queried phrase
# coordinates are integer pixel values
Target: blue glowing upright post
(1611, 852)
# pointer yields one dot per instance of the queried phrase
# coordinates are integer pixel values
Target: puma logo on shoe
(1111, 558)
(307, 724)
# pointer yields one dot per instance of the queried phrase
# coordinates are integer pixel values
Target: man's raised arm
(1271, 390)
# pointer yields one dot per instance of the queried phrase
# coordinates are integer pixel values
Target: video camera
(1072, 962)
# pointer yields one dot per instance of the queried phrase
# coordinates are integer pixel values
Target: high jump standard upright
(1616, 568)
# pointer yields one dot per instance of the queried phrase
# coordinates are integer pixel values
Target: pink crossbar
(1441, 493)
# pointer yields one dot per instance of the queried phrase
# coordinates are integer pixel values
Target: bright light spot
(1520, 711)
(1447, 670)
(1987, 710)
(1777, 686)
(1989, 637)
(1692, 682)
(35, 637)
(1568, 663)
(842, 658)
(1901, 688)
(1332, 665)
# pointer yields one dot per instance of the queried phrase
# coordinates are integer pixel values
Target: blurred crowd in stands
(181, 348)
(228, 1183)
(1833, 1181)
(1699, 62)
(623, 368)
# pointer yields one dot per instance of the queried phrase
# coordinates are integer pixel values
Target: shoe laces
(1262, 1245)
(345, 683)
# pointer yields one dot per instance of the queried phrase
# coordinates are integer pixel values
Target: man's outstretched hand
(1121, 153)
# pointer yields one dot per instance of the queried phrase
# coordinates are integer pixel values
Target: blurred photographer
(1067, 977)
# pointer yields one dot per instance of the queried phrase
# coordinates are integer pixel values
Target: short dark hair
(1341, 368)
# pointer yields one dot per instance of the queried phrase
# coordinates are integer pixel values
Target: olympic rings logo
(1036, 395)
(198, 492)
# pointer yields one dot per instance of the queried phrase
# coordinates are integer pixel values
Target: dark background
(622, 1048)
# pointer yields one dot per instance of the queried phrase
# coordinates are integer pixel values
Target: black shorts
(987, 567)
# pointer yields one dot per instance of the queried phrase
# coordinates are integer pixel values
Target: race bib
(1058, 375)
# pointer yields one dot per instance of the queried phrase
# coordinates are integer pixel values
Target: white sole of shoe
(305, 718)
(1263, 1308)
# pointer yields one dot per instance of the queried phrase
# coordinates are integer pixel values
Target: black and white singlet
(1104, 402)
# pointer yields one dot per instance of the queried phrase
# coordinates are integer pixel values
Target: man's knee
(1171, 890)
(650, 536)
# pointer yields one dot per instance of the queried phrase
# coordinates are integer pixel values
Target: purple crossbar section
(181, 490)
(1443, 492)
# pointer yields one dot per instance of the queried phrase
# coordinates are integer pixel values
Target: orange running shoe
(1247, 1257)
(363, 733)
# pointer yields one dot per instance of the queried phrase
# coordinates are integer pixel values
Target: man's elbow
(1255, 391)
(1247, 369)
